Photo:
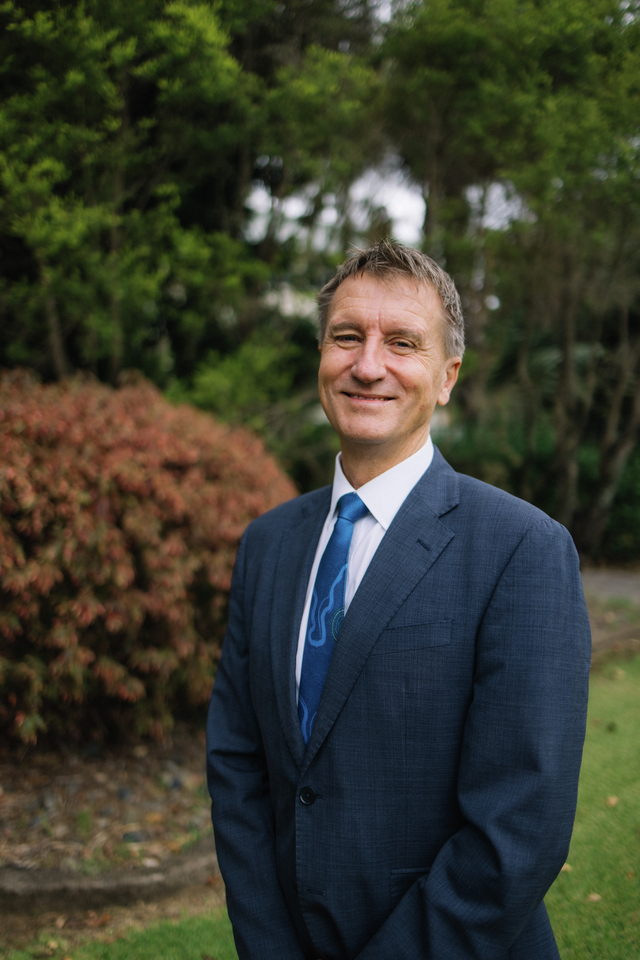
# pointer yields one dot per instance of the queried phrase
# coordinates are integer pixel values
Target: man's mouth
(366, 396)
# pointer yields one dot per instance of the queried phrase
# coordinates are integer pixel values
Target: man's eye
(403, 344)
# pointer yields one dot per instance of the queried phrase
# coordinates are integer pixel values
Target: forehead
(396, 299)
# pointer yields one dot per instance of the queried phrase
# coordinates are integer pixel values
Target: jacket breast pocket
(403, 880)
(412, 636)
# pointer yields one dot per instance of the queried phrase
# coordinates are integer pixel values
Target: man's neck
(362, 463)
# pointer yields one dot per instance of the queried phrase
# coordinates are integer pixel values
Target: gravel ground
(127, 810)
(130, 809)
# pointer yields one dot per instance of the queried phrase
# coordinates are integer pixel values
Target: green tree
(110, 107)
(538, 99)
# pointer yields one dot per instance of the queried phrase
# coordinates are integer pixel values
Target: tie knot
(351, 507)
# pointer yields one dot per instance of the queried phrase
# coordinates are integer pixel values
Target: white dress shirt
(384, 495)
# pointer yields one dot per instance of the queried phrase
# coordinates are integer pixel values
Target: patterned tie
(326, 612)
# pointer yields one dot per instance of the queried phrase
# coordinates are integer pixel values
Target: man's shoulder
(481, 494)
(291, 512)
(481, 507)
(499, 512)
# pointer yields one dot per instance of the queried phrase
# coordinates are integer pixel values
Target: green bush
(120, 516)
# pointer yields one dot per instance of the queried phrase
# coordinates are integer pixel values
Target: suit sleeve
(241, 809)
(519, 766)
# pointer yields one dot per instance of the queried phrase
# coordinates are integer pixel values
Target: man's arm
(241, 808)
(519, 766)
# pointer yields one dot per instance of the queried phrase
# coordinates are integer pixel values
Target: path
(605, 584)
(613, 599)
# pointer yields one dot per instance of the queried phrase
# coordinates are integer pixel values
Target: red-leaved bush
(120, 516)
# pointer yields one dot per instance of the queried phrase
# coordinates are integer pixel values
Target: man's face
(383, 366)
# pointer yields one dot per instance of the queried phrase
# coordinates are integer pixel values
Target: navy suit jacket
(434, 803)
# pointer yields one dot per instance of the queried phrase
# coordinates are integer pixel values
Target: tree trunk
(115, 300)
(432, 191)
(591, 530)
(616, 445)
(530, 403)
(567, 437)
(56, 340)
(116, 336)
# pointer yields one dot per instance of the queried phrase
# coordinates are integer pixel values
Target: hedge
(120, 516)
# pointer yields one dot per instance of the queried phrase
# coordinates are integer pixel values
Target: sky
(385, 187)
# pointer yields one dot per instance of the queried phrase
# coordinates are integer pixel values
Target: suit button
(307, 796)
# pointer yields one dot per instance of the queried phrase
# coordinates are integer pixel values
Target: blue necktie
(326, 612)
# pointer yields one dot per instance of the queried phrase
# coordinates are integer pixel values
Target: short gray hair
(387, 258)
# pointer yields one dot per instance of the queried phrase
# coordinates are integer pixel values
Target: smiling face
(383, 369)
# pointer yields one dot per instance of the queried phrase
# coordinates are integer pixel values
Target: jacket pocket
(415, 636)
(402, 880)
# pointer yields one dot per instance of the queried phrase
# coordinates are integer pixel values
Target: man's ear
(451, 375)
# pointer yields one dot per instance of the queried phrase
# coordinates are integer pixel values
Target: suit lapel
(295, 559)
(411, 545)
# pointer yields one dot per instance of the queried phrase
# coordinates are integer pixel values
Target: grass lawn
(594, 905)
(200, 938)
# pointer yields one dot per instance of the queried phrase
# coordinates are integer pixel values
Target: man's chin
(375, 442)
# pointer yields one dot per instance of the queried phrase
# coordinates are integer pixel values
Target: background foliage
(120, 517)
(137, 138)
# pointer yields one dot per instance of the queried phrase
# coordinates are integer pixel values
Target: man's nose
(369, 362)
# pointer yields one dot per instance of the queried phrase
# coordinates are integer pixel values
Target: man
(396, 727)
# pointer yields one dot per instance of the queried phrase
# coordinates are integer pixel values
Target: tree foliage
(129, 139)
(134, 138)
(120, 516)
(535, 102)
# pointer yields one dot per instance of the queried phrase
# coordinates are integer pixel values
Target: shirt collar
(385, 494)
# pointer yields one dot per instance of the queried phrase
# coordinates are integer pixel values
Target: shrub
(120, 516)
